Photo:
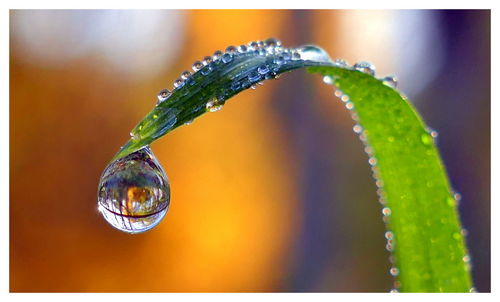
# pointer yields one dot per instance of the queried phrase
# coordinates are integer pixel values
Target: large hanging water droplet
(134, 193)
(313, 53)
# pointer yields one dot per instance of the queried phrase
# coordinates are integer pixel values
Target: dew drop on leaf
(197, 65)
(134, 193)
(185, 75)
(242, 48)
(179, 83)
(328, 80)
(394, 271)
(207, 60)
(263, 69)
(227, 57)
(214, 105)
(163, 95)
(390, 81)
(341, 63)
(365, 67)
(217, 55)
(313, 53)
(231, 49)
(386, 211)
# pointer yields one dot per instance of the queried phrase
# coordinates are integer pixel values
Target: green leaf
(420, 208)
(420, 211)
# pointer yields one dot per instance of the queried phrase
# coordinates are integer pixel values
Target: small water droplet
(134, 193)
(227, 57)
(179, 83)
(253, 45)
(397, 284)
(272, 42)
(394, 291)
(394, 271)
(466, 258)
(206, 70)
(231, 49)
(254, 76)
(357, 129)
(217, 55)
(390, 81)
(386, 211)
(365, 67)
(263, 69)
(296, 56)
(345, 98)
(235, 85)
(348, 105)
(185, 75)
(328, 80)
(379, 183)
(207, 60)
(242, 48)
(253, 87)
(341, 63)
(372, 161)
(188, 122)
(214, 105)
(279, 60)
(197, 65)
(313, 53)
(473, 290)
(389, 235)
(163, 95)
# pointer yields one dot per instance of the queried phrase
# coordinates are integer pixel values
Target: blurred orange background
(273, 192)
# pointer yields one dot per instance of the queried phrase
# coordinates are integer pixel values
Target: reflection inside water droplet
(134, 193)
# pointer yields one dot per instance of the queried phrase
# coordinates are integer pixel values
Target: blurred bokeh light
(273, 193)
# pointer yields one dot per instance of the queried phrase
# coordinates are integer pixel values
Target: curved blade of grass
(216, 83)
(420, 209)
